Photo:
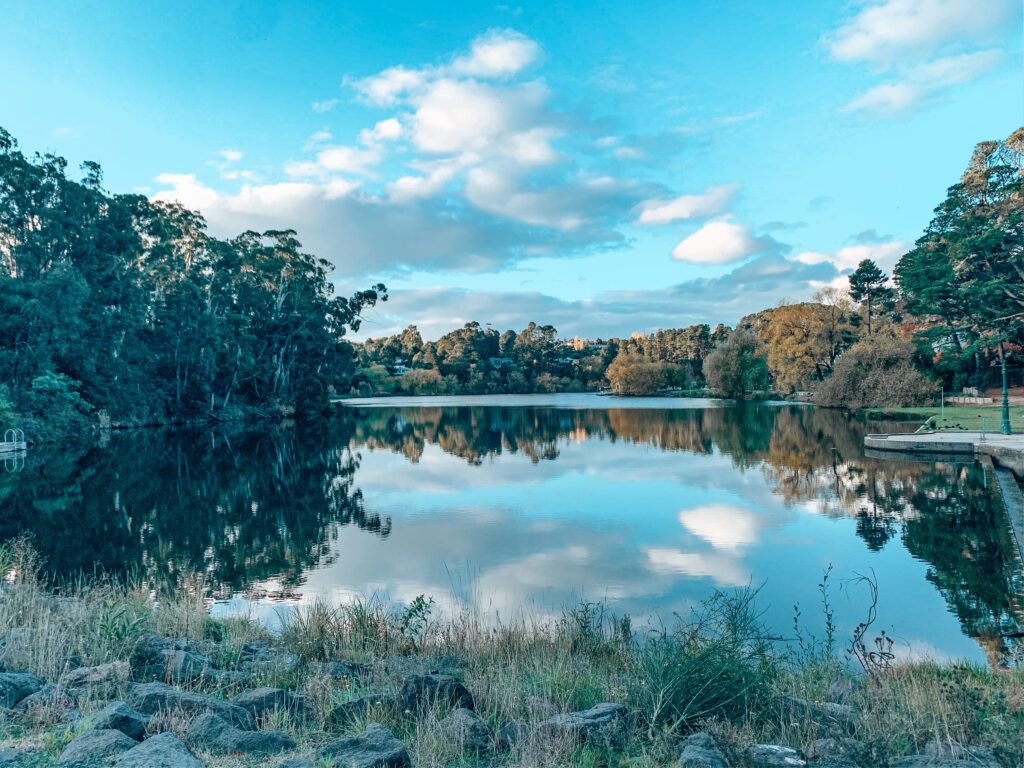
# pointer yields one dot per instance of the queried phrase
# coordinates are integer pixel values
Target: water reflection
(501, 508)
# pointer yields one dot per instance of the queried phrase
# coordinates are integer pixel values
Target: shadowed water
(527, 504)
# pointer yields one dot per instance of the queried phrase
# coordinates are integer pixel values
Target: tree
(868, 284)
(737, 367)
(876, 372)
(631, 374)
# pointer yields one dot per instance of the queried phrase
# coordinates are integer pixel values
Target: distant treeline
(115, 309)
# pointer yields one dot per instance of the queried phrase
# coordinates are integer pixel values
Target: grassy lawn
(959, 417)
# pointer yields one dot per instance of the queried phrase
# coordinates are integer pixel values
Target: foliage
(870, 285)
(876, 372)
(630, 374)
(737, 367)
(157, 320)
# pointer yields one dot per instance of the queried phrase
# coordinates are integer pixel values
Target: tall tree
(869, 284)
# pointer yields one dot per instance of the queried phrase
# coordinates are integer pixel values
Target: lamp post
(1006, 399)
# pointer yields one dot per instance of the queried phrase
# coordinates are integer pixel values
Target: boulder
(842, 688)
(376, 747)
(339, 670)
(216, 735)
(512, 735)
(943, 754)
(277, 662)
(602, 722)
(401, 667)
(700, 751)
(831, 718)
(260, 701)
(161, 751)
(424, 691)
(468, 730)
(186, 666)
(91, 746)
(154, 698)
(15, 686)
(775, 756)
(98, 681)
(48, 698)
(362, 707)
(118, 716)
(18, 758)
(839, 753)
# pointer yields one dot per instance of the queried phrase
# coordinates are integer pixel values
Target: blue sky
(603, 167)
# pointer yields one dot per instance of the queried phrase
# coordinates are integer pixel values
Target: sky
(605, 167)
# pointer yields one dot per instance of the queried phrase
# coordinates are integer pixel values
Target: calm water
(526, 504)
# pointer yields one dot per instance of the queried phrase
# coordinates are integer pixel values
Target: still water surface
(524, 504)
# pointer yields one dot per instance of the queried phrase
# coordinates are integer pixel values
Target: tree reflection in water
(243, 506)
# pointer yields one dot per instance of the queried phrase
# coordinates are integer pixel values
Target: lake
(521, 505)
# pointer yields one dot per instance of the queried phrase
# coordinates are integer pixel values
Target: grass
(716, 670)
(957, 416)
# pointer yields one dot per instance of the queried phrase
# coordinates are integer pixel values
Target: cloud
(497, 54)
(885, 254)
(930, 45)
(712, 202)
(722, 242)
(886, 33)
(325, 106)
(724, 526)
(921, 84)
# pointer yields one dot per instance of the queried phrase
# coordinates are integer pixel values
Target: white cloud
(923, 82)
(712, 202)
(885, 33)
(724, 569)
(724, 526)
(230, 155)
(385, 88)
(885, 255)
(499, 53)
(325, 106)
(720, 242)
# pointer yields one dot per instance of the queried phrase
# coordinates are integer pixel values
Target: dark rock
(942, 754)
(839, 753)
(376, 747)
(154, 652)
(843, 688)
(466, 728)
(153, 698)
(18, 758)
(700, 751)
(362, 707)
(186, 666)
(238, 677)
(92, 745)
(339, 669)
(832, 718)
(278, 663)
(775, 756)
(99, 681)
(512, 735)
(15, 686)
(211, 732)
(260, 701)
(71, 717)
(604, 722)
(118, 716)
(161, 751)
(404, 666)
(256, 650)
(423, 691)
(47, 699)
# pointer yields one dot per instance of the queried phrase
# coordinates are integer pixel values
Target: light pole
(1006, 399)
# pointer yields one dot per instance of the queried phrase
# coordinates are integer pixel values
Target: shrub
(876, 372)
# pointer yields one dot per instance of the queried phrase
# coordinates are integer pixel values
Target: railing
(14, 441)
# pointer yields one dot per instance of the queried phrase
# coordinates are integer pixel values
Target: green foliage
(737, 367)
(156, 319)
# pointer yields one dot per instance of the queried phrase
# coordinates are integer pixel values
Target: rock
(71, 717)
(839, 753)
(297, 762)
(15, 686)
(153, 698)
(376, 747)
(151, 656)
(602, 722)
(842, 689)
(946, 755)
(278, 663)
(18, 758)
(830, 717)
(700, 751)
(362, 707)
(404, 666)
(49, 697)
(339, 669)
(775, 756)
(186, 666)
(240, 677)
(464, 727)
(118, 716)
(99, 681)
(161, 751)
(211, 732)
(260, 701)
(512, 735)
(540, 707)
(92, 745)
(423, 691)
